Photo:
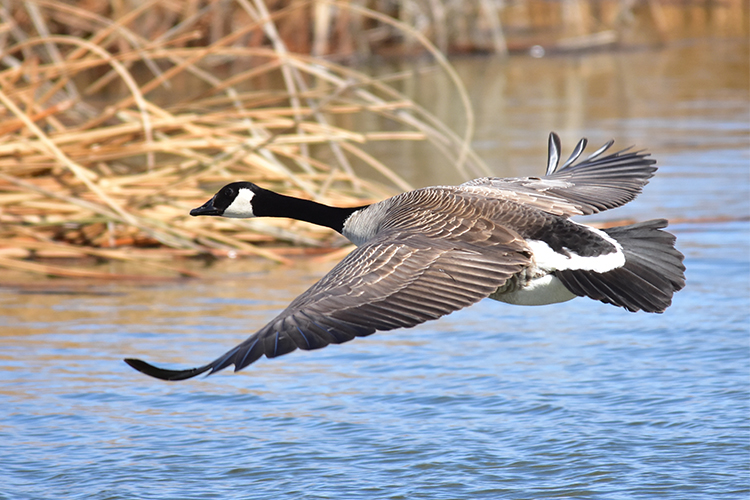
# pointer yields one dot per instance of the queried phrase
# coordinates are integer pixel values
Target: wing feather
(590, 186)
(396, 281)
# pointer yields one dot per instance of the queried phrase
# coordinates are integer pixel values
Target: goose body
(431, 251)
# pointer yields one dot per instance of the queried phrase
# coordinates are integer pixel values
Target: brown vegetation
(117, 120)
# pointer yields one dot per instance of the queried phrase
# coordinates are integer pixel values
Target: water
(575, 400)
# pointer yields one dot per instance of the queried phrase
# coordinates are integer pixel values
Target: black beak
(207, 208)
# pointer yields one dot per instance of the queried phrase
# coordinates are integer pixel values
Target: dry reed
(117, 120)
(109, 140)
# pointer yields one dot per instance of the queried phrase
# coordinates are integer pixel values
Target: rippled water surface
(575, 400)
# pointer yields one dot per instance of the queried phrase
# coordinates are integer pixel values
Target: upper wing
(595, 184)
(395, 281)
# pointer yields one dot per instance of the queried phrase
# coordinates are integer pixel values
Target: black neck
(270, 204)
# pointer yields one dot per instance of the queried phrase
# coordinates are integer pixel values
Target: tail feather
(652, 273)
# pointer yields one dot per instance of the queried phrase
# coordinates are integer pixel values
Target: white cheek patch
(242, 206)
(549, 260)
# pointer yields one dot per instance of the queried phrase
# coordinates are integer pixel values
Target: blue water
(575, 400)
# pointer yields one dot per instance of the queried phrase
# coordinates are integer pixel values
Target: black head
(233, 200)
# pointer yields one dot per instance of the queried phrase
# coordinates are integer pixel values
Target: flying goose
(429, 252)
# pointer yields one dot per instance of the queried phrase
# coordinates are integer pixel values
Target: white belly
(537, 292)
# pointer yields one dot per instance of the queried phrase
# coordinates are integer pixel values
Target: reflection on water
(575, 400)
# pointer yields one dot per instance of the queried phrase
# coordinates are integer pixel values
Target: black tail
(652, 273)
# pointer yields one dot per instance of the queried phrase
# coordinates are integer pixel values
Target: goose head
(242, 200)
(234, 200)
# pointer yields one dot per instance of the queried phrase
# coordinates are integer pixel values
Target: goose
(426, 253)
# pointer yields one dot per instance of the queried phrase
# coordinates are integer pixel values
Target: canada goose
(432, 251)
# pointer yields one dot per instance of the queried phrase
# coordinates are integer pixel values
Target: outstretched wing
(398, 280)
(595, 184)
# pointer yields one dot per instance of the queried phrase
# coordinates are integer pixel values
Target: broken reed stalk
(84, 177)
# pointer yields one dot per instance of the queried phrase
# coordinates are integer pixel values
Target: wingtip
(163, 374)
(553, 153)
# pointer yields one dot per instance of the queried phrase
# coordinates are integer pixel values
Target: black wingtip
(162, 374)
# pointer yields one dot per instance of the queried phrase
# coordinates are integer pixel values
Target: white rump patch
(242, 205)
(549, 260)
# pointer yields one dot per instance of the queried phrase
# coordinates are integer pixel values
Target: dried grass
(110, 140)
(116, 121)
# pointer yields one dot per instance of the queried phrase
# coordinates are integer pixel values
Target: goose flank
(426, 253)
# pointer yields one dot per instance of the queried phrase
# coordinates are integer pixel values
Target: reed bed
(109, 137)
(117, 118)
